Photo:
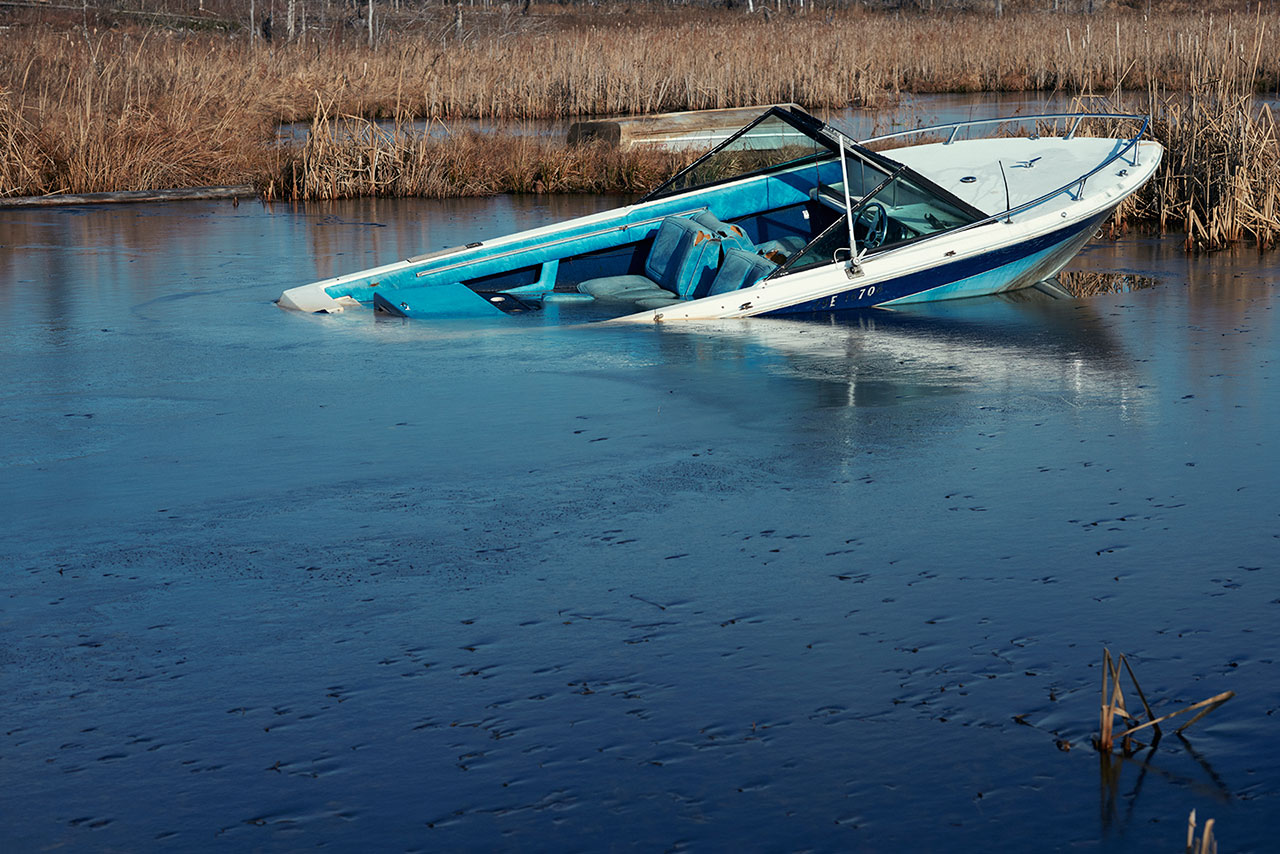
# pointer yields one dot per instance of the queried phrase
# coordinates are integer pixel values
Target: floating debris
(1088, 283)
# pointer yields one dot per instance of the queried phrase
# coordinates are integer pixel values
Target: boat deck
(976, 170)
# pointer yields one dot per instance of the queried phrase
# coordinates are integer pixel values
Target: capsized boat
(789, 216)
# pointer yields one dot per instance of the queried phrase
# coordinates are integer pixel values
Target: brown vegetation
(1091, 283)
(1114, 706)
(351, 157)
(1220, 178)
(128, 108)
(520, 67)
(1220, 181)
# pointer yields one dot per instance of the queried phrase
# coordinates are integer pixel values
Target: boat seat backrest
(731, 235)
(739, 270)
(683, 253)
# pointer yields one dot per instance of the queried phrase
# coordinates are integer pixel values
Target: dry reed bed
(350, 157)
(1219, 181)
(136, 109)
(21, 163)
(703, 59)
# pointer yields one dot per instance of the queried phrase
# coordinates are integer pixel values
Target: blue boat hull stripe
(865, 296)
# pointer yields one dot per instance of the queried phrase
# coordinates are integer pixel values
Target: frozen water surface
(274, 581)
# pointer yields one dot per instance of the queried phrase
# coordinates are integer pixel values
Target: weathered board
(241, 191)
(693, 129)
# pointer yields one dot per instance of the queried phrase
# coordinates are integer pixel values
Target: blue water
(273, 581)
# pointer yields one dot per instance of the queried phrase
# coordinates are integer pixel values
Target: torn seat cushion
(730, 235)
(784, 246)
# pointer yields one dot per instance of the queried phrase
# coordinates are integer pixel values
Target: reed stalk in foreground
(1205, 843)
(1113, 706)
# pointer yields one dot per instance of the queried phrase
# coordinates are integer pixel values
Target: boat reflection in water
(1031, 343)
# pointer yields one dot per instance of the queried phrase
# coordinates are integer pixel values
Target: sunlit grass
(132, 109)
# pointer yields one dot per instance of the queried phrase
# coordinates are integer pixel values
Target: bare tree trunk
(370, 24)
(292, 17)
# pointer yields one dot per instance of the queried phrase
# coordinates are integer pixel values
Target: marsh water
(273, 581)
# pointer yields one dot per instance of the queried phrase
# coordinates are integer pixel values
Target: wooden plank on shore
(187, 194)
(692, 129)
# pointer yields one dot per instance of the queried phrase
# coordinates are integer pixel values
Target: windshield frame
(826, 135)
(833, 139)
(798, 119)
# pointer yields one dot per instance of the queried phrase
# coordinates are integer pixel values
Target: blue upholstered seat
(617, 287)
(734, 236)
(740, 270)
(683, 255)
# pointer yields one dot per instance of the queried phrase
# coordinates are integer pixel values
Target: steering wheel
(876, 219)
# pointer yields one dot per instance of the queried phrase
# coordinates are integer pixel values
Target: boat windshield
(891, 204)
(894, 212)
(771, 143)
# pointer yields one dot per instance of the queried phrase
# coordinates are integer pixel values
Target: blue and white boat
(791, 216)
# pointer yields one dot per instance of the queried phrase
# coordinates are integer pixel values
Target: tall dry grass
(348, 156)
(125, 112)
(1219, 182)
(84, 111)
(699, 59)
(23, 166)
